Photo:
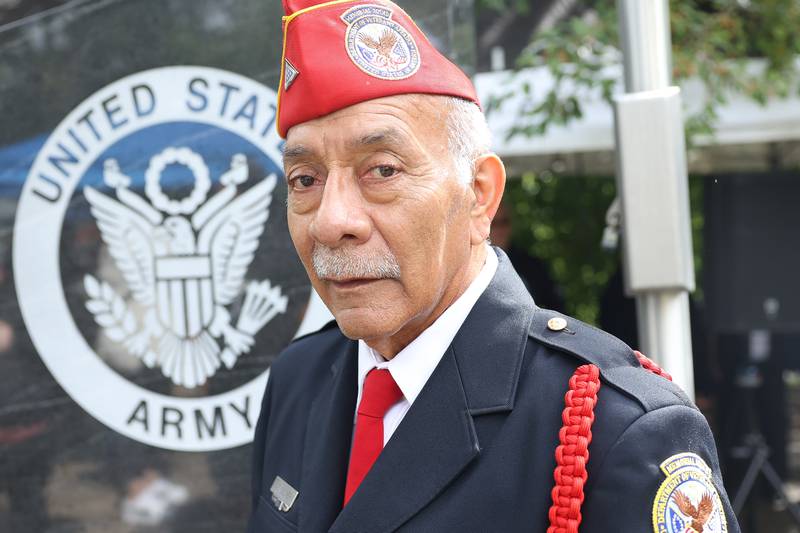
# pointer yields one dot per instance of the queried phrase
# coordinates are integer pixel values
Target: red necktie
(379, 394)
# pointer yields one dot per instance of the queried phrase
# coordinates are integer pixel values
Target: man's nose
(340, 216)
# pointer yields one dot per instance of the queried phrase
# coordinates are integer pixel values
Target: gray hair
(468, 136)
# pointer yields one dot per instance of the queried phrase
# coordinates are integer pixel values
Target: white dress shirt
(415, 363)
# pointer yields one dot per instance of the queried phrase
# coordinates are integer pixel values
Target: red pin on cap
(339, 53)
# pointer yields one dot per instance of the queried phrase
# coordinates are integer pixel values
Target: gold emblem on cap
(556, 324)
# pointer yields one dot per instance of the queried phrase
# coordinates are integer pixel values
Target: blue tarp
(15, 162)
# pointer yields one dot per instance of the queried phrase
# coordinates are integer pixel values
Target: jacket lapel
(490, 346)
(437, 440)
(432, 445)
(327, 443)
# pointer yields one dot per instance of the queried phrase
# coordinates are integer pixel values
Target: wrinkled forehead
(404, 122)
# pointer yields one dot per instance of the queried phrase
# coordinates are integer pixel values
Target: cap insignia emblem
(378, 45)
(290, 73)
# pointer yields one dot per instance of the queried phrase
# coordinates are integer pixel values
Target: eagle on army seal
(184, 261)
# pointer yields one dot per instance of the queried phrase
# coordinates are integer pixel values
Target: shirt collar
(415, 363)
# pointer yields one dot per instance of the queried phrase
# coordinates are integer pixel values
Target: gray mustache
(349, 262)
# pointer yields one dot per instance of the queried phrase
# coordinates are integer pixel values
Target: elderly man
(442, 398)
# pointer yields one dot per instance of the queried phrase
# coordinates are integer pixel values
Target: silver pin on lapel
(283, 494)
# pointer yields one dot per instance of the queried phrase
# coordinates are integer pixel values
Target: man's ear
(487, 186)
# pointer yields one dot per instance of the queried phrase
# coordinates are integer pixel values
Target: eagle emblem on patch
(378, 45)
(687, 500)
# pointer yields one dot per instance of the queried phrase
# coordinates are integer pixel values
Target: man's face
(377, 215)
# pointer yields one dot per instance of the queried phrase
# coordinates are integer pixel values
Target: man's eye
(385, 171)
(303, 181)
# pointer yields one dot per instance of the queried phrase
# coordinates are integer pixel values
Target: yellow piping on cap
(286, 20)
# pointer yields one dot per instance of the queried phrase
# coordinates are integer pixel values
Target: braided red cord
(650, 365)
(572, 454)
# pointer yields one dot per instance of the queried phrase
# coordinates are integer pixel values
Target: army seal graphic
(153, 267)
(687, 501)
(378, 45)
(170, 270)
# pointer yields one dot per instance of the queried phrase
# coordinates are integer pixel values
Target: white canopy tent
(744, 129)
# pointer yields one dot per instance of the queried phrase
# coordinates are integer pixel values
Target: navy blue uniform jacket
(475, 452)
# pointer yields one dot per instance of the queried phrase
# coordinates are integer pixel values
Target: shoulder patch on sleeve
(687, 499)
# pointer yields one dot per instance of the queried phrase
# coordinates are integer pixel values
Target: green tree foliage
(714, 41)
(556, 219)
(560, 219)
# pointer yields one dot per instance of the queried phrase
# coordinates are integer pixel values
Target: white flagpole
(652, 182)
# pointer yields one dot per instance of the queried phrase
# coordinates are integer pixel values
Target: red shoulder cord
(572, 454)
(650, 365)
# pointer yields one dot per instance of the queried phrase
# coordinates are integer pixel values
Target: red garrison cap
(342, 52)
